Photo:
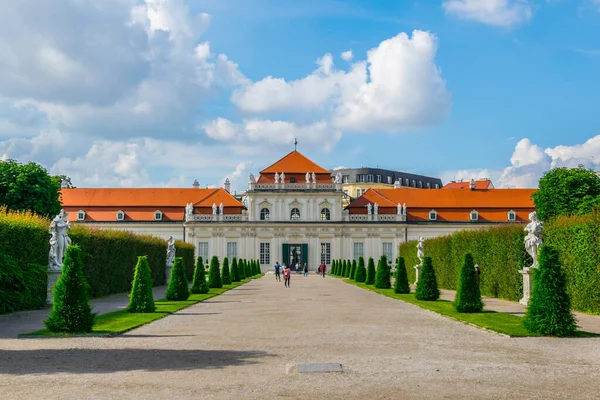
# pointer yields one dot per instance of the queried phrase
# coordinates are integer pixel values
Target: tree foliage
(214, 274)
(567, 191)
(199, 285)
(360, 275)
(235, 272)
(427, 288)
(468, 295)
(178, 284)
(382, 276)
(71, 311)
(141, 299)
(401, 284)
(549, 309)
(370, 272)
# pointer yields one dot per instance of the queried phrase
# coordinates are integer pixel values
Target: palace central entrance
(294, 253)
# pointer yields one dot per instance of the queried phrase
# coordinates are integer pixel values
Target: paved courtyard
(247, 343)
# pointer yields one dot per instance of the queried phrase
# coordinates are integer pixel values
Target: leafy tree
(401, 285)
(199, 285)
(28, 187)
(141, 299)
(360, 275)
(70, 309)
(468, 296)
(352, 270)
(382, 276)
(242, 269)
(235, 272)
(214, 274)
(427, 288)
(370, 272)
(549, 310)
(565, 191)
(178, 284)
(226, 274)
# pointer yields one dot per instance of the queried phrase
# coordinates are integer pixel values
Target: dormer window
(414, 183)
(406, 182)
(80, 215)
(120, 215)
(433, 215)
(420, 184)
(428, 185)
(474, 215)
(292, 180)
(512, 216)
(437, 185)
(158, 215)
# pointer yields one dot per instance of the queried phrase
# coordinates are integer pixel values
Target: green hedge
(500, 253)
(186, 251)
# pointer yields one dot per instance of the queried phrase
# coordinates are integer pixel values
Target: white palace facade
(293, 212)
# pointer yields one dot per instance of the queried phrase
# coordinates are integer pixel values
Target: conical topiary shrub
(141, 299)
(370, 272)
(401, 285)
(468, 296)
(360, 275)
(348, 268)
(214, 274)
(178, 284)
(427, 288)
(70, 309)
(352, 270)
(382, 276)
(242, 269)
(248, 268)
(235, 272)
(337, 268)
(199, 285)
(343, 269)
(549, 309)
(258, 271)
(225, 274)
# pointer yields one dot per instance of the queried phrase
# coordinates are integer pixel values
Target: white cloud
(491, 12)
(398, 87)
(347, 55)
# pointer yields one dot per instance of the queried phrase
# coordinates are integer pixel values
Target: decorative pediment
(265, 204)
(325, 204)
(295, 204)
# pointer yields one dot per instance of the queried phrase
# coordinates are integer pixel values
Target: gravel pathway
(246, 344)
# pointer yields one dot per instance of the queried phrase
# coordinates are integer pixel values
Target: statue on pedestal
(404, 209)
(307, 176)
(276, 177)
(338, 178)
(420, 250)
(282, 177)
(314, 177)
(251, 178)
(369, 208)
(189, 209)
(399, 209)
(221, 208)
(59, 240)
(533, 240)
(214, 208)
(170, 251)
(375, 208)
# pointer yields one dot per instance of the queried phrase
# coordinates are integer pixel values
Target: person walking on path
(287, 274)
(277, 271)
(305, 270)
(322, 269)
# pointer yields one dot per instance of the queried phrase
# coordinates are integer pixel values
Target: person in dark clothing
(305, 270)
(277, 273)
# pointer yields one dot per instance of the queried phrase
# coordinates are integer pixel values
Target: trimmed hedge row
(500, 253)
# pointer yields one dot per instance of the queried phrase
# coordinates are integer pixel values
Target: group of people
(287, 271)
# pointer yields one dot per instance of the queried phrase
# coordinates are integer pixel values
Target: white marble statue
(282, 177)
(276, 177)
(307, 176)
(375, 208)
(251, 178)
(314, 177)
(369, 208)
(214, 208)
(420, 250)
(338, 178)
(533, 240)
(170, 251)
(59, 240)
(404, 209)
(399, 209)
(189, 209)
(221, 208)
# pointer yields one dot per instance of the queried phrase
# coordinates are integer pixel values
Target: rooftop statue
(307, 176)
(276, 177)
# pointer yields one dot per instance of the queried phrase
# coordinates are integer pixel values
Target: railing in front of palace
(295, 186)
(345, 218)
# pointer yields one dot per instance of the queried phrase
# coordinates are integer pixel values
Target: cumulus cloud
(347, 55)
(398, 87)
(491, 12)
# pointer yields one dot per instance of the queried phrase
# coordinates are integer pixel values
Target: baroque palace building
(294, 211)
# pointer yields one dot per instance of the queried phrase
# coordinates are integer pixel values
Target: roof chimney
(196, 184)
(472, 184)
(227, 185)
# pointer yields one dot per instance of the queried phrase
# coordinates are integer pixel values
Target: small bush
(235, 272)
(549, 310)
(360, 275)
(370, 272)
(468, 296)
(178, 284)
(199, 285)
(141, 299)
(401, 285)
(214, 274)
(70, 310)
(225, 274)
(427, 288)
(382, 276)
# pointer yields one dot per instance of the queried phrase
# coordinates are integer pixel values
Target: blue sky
(155, 93)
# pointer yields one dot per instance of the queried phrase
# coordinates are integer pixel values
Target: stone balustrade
(294, 186)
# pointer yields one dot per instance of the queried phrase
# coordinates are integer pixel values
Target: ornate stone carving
(59, 240)
(189, 209)
(533, 240)
(170, 251)
(307, 176)
(338, 178)
(276, 177)
(314, 177)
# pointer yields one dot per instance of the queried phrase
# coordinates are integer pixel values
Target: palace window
(265, 253)
(231, 250)
(512, 216)
(326, 253)
(421, 184)
(437, 185)
(345, 179)
(389, 178)
(295, 214)
(360, 178)
(474, 215)
(80, 215)
(120, 215)
(387, 250)
(370, 178)
(357, 250)
(325, 214)
(406, 182)
(265, 214)
(203, 251)
(414, 183)
(378, 178)
(428, 185)
(158, 215)
(432, 215)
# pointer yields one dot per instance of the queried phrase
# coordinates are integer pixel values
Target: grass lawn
(117, 322)
(506, 324)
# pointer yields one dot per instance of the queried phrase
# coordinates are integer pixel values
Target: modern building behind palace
(296, 210)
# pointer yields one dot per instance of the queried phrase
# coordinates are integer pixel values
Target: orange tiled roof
(481, 184)
(295, 163)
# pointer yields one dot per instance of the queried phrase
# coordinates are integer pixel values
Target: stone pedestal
(417, 270)
(527, 284)
(53, 276)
